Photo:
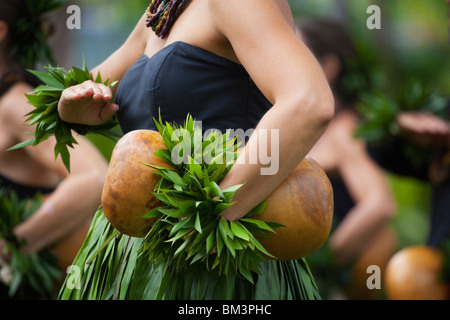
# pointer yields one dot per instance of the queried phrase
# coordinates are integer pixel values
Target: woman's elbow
(386, 207)
(326, 106)
(389, 209)
(318, 104)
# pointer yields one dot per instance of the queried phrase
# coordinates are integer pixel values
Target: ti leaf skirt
(111, 266)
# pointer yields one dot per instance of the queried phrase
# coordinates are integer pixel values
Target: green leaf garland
(379, 111)
(379, 118)
(30, 36)
(45, 116)
(189, 227)
(32, 275)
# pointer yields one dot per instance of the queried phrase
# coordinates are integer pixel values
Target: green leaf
(22, 144)
(225, 232)
(180, 234)
(80, 75)
(231, 247)
(61, 149)
(172, 212)
(210, 241)
(182, 247)
(198, 225)
(218, 174)
(259, 223)
(196, 169)
(257, 210)
(215, 190)
(184, 224)
(154, 213)
(239, 230)
(232, 189)
(247, 275)
(221, 207)
(261, 248)
(172, 176)
(48, 79)
(220, 242)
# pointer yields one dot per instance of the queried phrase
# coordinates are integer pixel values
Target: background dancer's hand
(87, 103)
(424, 129)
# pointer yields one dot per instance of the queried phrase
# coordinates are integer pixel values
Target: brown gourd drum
(303, 202)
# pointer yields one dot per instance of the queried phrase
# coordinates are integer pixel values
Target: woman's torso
(182, 78)
(18, 171)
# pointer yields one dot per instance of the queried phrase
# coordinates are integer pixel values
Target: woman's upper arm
(263, 38)
(115, 66)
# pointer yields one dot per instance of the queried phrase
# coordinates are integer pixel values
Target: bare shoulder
(263, 30)
(342, 132)
(14, 105)
(223, 9)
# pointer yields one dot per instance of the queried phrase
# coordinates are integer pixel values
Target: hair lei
(161, 15)
(29, 35)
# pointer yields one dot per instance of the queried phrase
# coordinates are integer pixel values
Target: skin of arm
(291, 79)
(78, 194)
(367, 183)
(424, 129)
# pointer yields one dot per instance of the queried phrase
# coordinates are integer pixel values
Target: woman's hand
(424, 129)
(87, 103)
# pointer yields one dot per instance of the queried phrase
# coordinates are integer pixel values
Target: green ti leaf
(45, 116)
(32, 274)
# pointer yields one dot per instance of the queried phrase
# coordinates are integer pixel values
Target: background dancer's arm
(76, 196)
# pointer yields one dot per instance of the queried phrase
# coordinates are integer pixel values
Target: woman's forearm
(285, 134)
(359, 227)
(71, 204)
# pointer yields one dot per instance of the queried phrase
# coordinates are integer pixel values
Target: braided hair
(162, 14)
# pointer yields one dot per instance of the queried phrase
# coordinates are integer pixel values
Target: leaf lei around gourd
(30, 275)
(189, 227)
(45, 116)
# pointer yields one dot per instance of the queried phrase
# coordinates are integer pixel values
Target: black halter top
(181, 79)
